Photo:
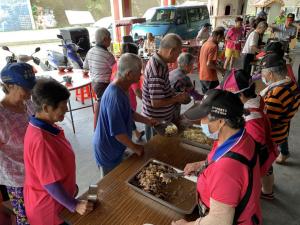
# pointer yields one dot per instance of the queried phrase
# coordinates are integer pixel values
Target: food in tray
(171, 129)
(196, 134)
(152, 180)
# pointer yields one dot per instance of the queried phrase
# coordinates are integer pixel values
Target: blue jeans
(284, 148)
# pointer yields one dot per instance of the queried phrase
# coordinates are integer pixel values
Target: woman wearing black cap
(257, 125)
(229, 183)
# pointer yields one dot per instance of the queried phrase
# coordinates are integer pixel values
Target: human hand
(182, 97)
(152, 122)
(192, 167)
(179, 222)
(138, 149)
(84, 207)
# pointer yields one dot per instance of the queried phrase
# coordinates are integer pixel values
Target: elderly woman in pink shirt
(15, 108)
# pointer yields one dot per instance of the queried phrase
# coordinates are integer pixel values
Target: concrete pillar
(167, 2)
(120, 9)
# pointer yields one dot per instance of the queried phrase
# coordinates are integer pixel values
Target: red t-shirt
(226, 181)
(48, 158)
(259, 127)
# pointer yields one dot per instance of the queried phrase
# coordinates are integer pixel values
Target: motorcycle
(13, 58)
(69, 57)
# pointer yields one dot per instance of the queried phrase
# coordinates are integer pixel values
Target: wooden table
(122, 205)
(78, 81)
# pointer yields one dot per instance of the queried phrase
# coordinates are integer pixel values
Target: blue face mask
(206, 131)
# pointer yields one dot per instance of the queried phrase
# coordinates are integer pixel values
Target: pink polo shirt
(48, 158)
(234, 34)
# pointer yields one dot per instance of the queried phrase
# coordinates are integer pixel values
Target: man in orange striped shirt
(282, 100)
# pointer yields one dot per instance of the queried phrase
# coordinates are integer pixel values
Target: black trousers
(246, 62)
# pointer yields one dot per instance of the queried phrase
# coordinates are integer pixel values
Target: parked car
(103, 22)
(183, 20)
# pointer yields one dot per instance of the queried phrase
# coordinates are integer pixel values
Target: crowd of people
(250, 129)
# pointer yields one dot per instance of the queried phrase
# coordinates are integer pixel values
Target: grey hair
(129, 63)
(262, 25)
(279, 71)
(101, 34)
(171, 41)
(185, 59)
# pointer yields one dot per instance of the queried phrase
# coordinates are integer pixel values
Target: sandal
(267, 196)
(141, 136)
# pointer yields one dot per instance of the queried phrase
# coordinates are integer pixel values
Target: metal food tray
(184, 199)
(195, 143)
(161, 127)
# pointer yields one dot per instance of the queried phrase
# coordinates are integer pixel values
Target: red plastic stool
(84, 93)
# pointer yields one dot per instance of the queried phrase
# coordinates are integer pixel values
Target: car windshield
(160, 15)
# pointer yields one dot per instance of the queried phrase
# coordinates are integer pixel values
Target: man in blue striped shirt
(159, 99)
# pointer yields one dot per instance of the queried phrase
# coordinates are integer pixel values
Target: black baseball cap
(207, 25)
(274, 47)
(272, 60)
(290, 16)
(217, 103)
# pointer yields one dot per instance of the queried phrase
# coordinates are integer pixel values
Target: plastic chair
(84, 93)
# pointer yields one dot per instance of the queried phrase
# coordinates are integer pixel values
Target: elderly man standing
(282, 100)
(208, 61)
(251, 46)
(159, 99)
(287, 31)
(114, 131)
(99, 62)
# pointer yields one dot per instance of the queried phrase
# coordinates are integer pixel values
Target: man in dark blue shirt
(114, 128)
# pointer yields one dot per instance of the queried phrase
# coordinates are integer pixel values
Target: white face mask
(206, 131)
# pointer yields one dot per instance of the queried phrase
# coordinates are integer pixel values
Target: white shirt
(252, 40)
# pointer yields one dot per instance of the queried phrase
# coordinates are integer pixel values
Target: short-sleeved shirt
(209, 51)
(99, 62)
(115, 117)
(286, 32)
(179, 80)
(12, 131)
(226, 181)
(281, 104)
(157, 86)
(234, 34)
(48, 158)
(252, 40)
(259, 127)
(280, 20)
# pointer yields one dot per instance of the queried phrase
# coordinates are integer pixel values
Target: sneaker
(267, 196)
(282, 158)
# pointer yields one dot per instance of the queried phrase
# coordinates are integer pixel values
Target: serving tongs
(173, 175)
(196, 173)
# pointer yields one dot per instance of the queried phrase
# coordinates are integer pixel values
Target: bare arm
(255, 48)
(142, 119)
(219, 213)
(125, 140)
